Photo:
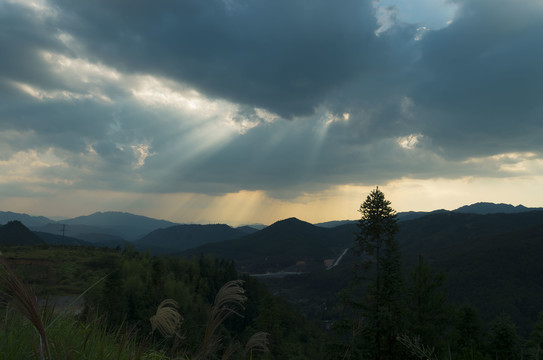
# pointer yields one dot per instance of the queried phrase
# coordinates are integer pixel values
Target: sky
(252, 111)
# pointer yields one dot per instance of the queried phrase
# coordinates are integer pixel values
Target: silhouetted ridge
(290, 244)
(117, 218)
(15, 233)
(484, 208)
(288, 224)
(27, 220)
(129, 226)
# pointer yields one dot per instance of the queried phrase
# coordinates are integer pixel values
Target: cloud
(282, 97)
(283, 56)
(480, 79)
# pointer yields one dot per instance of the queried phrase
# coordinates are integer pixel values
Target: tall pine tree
(382, 307)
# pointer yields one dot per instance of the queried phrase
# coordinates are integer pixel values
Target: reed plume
(227, 302)
(167, 319)
(258, 342)
(24, 300)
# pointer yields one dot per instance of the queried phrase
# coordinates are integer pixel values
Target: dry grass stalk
(24, 300)
(258, 342)
(229, 298)
(417, 348)
(167, 319)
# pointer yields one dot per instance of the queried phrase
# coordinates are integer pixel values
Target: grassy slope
(59, 270)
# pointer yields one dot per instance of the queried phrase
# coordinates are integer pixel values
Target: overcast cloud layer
(283, 96)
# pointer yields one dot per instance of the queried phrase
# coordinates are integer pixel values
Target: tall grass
(70, 338)
(228, 301)
(60, 336)
(24, 300)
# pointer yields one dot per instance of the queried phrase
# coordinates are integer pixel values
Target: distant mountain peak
(130, 226)
(290, 221)
(484, 208)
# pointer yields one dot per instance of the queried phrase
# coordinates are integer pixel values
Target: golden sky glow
(245, 207)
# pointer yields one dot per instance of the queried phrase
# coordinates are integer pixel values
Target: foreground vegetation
(122, 291)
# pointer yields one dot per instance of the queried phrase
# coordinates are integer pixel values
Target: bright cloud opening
(513, 163)
(141, 151)
(409, 142)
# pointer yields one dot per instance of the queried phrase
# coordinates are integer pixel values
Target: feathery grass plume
(417, 348)
(229, 298)
(167, 319)
(258, 342)
(24, 300)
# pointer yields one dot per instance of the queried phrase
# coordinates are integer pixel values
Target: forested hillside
(287, 244)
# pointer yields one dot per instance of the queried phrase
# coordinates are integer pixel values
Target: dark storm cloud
(280, 55)
(22, 37)
(470, 89)
(481, 79)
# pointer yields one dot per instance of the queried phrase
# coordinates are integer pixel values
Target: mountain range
(490, 253)
(27, 220)
(118, 226)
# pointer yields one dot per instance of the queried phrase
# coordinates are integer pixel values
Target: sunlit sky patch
(280, 109)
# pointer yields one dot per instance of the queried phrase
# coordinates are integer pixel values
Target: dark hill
(15, 233)
(181, 237)
(281, 246)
